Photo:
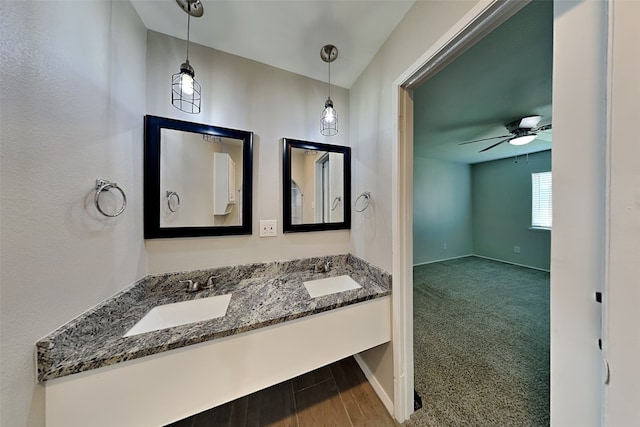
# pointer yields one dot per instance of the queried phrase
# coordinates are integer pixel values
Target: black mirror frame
(288, 227)
(152, 201)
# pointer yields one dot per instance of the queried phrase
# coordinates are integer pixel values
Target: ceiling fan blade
(484, 139)
(494, 145)
(541, 128)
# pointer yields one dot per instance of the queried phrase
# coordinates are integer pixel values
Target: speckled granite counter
(263, 294)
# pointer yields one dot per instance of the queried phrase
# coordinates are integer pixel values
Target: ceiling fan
(521, 132)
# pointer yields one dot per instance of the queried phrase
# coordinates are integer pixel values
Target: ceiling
(505, 76)
(286, 34)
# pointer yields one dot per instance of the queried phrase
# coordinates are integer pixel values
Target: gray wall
(72, 84)
(502, 211)
(236, 94)
(441, 210)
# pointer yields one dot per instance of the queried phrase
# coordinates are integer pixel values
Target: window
(541, 200)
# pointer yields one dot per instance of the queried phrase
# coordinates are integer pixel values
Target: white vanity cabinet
(172, 385)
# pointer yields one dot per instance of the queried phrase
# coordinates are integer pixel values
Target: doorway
(481, 326)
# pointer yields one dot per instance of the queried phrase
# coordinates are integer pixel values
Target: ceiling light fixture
(522, 140)
(329, 118)
(185, 90)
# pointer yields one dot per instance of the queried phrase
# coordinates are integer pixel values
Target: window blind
(541, 200)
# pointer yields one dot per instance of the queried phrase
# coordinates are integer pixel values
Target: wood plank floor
(334, 395)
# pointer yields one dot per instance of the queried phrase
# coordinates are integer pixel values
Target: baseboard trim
(443, 259)
(386, 401)
(512, 263)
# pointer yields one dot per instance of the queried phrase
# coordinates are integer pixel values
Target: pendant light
(329, 118)
(185, 90)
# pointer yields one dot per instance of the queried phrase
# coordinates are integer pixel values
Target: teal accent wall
(501, 205)
(441, 210)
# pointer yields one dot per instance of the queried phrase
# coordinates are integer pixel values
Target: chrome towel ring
(171, 194)
(367, 199)
(104, 185)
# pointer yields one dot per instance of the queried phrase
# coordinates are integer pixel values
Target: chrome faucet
(324, 267)
(195, 286)
(210, 283)
(192, 286)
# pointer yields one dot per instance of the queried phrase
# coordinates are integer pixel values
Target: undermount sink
(330, 285)
(181, 313)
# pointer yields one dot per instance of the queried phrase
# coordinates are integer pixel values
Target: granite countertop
(263, 294)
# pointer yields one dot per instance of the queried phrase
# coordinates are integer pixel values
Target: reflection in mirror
(317, 186)
(197, 179)
(186, 161)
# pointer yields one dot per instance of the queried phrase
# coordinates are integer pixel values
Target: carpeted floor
(481, 344)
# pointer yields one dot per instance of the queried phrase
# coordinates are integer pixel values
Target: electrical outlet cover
(268, 227)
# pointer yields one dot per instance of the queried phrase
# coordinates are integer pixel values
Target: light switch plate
(268, 227)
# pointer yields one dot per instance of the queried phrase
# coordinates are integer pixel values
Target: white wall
(243, 94)
(370, 138)
(622, 339)
(577, 241)
(72, 89)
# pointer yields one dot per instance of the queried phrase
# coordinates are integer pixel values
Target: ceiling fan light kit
(522, 140)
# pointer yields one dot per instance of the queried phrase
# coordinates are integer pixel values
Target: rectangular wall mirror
(197, 179)
(316, 186)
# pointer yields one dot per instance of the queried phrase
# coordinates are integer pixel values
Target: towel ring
(367, 197)
(171, 194)
(104, 185)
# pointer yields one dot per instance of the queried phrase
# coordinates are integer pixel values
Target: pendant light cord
(329, 79)
(188, 29)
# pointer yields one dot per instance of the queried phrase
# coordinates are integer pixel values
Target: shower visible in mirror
(316, 186)
(197, 179)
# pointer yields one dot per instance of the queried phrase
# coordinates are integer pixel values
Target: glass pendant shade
(329, 119)
(185, 90)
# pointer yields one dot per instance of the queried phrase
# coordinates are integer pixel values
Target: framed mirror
(316, 186)
(197, 179)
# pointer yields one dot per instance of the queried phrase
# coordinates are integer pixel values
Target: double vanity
(165, 348)
(173, 345)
